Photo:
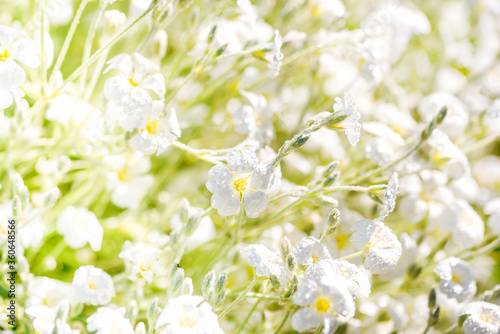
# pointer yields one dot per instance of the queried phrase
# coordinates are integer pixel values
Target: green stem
(243, 324)
(283, 322)
(96, 55)
(238, 299)
(200, 154)
(350, 256)
(87, 48)
(67, 41)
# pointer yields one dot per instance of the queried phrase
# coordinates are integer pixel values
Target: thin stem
(198, 153)
(87, 48)
(350, 256)
(238, 299)
(95, 76)
(283, 322)
(481, 143)
(96, 55)
(376, 171)
(67, 41)
(243, 324)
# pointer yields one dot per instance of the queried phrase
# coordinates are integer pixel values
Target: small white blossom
(355, 279)
(247, 181)
(188, 314)
(47, 291)
(131, 89)
(157, 132)
(310, 250)
(44, 320)
(143, 260)
(14, 48)
(274, 67)
(382, 246)
(266, 262)
(350, 124)
(254, 119)
(93, 286)
(107, 320)
(484, 318)
(457, 279)
(80, 226)
(325, 301)
(464, 223)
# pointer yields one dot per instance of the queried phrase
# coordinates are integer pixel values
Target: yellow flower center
(123, 175)
(92, 285)
(315, 258)
(132, 82)
(487, 317)
(322, 305)
(145, 266)
(152, 127)
(187, 322)
(4, 55)
(342, 240)
(240, 185)
(456, 279)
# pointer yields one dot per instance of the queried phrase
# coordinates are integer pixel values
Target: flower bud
(285, 247)
(220, 299)
(294, 279)
(221, 283)
(153, 312)
(432, 299)
(291, 262)
(211, 34)
(187, 286)
(275, 281)
(434, 317)
(300, 139)
(176, 282)
(324, 200)
(51, 197)
(332, 167)
(132, 311)
(331, 180)
(140, 328)
(208, 283)
(17, 207)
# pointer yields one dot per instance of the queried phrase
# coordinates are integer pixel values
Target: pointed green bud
(285, 248)
(208, 283)
(432, 299)
(434, 317)
(332, 167)
(51, 197)
(300, 139)
(294, 279)
(187, 287)
(211, 34)
(441, 115)
(176, 282)
(220, 50)
(220, 284)
(153, 312)
(220, 299)
(331, 180)
(291, 262)
(275, 281)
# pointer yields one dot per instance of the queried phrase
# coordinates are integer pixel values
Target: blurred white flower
(142, 258)
(350, 123)
(447, 155)
(131, 89)
(254, 119)
(309, 251)
(44, 320)
(246, 182)
(59, 12)
(457, 279)
(355, 279)
(128, 181)
(157, 132)
(93, 286)
(107, 320)
(266, 262)
(325, 301)
(275, 65)
(390, 197)
(484, 318)
(381, 149)
(327, 10)
(14, 47)
(492, 208)
(187, 314)
(80, 226)
(47, 291)
(464, 223)
(382, 246)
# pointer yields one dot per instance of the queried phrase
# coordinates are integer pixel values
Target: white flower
(382, 246)
(254, 119)
(142, 258)
(327, 10)
(390, 196)
(131, 89)
(310, 250)
(93, 286)
(448, 156)
(48, 292)
(14, 48)
(355, 279)
(464, 223)
(274, 67)
(492, 208)
(350, 124)
(80, 226)
(128, 181)
(457, 279)
(66, 109)
(157, 133)
(44, 320)
(107, 320)
(266, 262)
(381, 149)
(325, 301)
(188, 314)
(484, 318)
(247, 181)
